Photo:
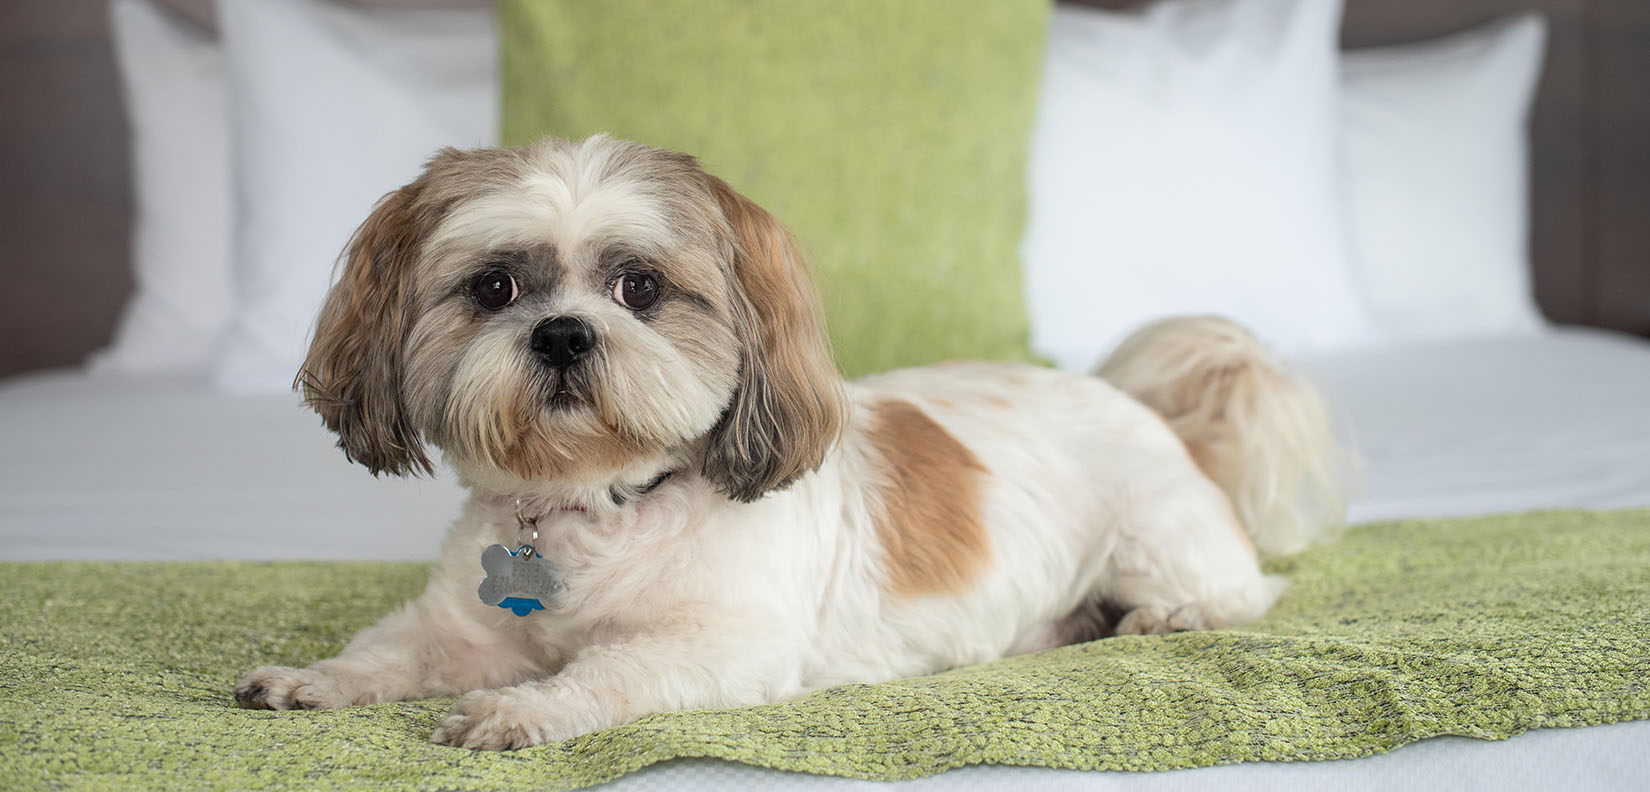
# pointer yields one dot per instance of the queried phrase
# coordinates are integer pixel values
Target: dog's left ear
(789, 409)
(352, 373)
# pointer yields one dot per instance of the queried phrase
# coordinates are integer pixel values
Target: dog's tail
(1259, 432)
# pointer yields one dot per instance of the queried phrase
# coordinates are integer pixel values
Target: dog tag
(520, 580)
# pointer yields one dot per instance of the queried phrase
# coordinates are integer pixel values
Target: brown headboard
(65, 211)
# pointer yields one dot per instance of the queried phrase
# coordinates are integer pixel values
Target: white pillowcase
(333, 108)
(173, 76)
(1436, 163)
(1184, 161)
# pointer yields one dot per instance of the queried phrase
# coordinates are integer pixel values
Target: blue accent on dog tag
(519, 580)
(521, 605)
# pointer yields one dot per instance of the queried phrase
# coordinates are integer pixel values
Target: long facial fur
(730, 369)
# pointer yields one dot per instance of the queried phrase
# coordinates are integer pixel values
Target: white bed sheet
(103, 467)
(108, 468)
(1495, 425)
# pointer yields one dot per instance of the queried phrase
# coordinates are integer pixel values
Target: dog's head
(560, 311)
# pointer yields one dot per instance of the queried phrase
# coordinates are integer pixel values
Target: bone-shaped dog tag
(519, 580)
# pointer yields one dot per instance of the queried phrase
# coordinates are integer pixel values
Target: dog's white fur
(964, 512)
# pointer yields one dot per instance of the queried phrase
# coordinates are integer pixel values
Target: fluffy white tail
(1259, 432)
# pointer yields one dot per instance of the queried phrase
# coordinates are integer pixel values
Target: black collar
(620, 495)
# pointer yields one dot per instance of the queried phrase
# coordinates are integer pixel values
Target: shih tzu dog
(676, 502)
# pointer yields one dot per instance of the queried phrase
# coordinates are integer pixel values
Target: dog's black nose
(562, 340)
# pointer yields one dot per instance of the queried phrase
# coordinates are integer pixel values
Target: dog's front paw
(503, 720)
(282, 688)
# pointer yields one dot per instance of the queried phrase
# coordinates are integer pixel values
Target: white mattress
(107, 468)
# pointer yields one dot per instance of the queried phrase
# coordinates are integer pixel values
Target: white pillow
(1184, 161)
(173, 75)
(333, 107)
(1436, 164)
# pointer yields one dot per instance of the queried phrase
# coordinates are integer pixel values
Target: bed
(103, 463)
(115, 468)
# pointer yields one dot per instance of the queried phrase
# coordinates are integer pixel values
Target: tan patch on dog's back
(931, 529)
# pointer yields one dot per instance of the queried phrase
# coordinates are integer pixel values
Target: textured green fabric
(117, 676)
(892, 137)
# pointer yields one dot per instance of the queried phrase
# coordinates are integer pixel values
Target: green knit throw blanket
(117, 675)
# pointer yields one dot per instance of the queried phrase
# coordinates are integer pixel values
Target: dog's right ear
(352, 375)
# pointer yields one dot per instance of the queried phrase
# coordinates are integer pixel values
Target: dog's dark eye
(636, 290)
(494, 290)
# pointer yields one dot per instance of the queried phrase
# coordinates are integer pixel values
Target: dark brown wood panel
(1623, 105)
(64, 185)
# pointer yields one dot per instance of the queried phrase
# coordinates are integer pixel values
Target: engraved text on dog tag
(519, 580)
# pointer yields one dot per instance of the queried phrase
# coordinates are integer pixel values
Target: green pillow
(890, 135)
